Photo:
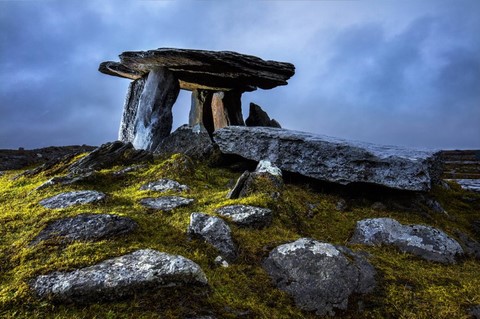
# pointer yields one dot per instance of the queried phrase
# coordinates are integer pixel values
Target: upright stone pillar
(200, 111)
(153, 111)
(127, 125)
(227, 109)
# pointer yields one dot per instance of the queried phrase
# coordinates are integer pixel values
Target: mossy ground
(408, 287)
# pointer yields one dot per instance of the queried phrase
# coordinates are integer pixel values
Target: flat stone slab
(249, 216)
(424, 241)
(86, 227)
(319, 276)
(201, 69)
(164, 185)
(166, 203)
(468, 184)
(214, 231)
(68, 199)
(141, 271)
(332, 159)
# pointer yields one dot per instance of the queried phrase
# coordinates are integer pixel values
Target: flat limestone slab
(332, 159)
(202, 69)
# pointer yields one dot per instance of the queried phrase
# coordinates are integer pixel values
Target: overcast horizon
(400, 73)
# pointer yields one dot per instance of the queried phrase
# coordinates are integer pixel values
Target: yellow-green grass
(408, 287)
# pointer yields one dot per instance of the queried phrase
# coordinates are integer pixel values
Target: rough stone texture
(140, 271)
(68, 199)
(258, 117)
(68, 179)
(86, 227)
(108, 155)
(201, 109)
(249, 216)
(266, 178)
(164, 185)
(214, 231)
(424, 241)
(166, 203)
(470, 246)
(200, 69)
(126, 132)
(319, 276)
(331, 159)
(468, 184)
(191, 141)
(226, 109)
(153, 119)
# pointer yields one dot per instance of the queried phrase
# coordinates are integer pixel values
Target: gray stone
(319, 276)
(258, 117)
(86, 227)
(468, 184)
(470, 246)
(68, 199)
(200, 69)
(342, 205)
(67, 180)
(474, 312)
(249, 216)
(128, 169)
(235, 192)
(166, 203)
(108, 155)
(193, 142)
(214, 231)
(126, 132)
(226, 109)
(331, 159)
(164, 185)
(141, 271)
(424, 241)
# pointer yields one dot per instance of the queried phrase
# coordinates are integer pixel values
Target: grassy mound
(408, 287)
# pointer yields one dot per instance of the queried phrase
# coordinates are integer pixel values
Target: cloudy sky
(391, 72)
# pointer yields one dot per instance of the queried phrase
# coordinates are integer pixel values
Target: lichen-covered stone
(249, 216)
(332, 159)
(319, 276)
(166, 203)
(141, 271)
(424, 241)
(86, 227)
(68, 199)
(164, 185)
(214, 231)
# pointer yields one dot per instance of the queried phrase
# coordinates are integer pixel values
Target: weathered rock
(319, 276)
(164, 185)
(249, 216)
(424, 241)
(166, 203)
(126, 132)
(68, 179)
(468, 184)
(86, 227)
(200, 69)
(108, 155)
(342, 205)
(68, 199)
(128, 169)
(474, 312)
(331, 159)
(266, 178)
(191, 141)
(201, 109)
(470, 246)
(258, 117)
(153, 119)
(214, 231)
(140, 271)
(226, 109)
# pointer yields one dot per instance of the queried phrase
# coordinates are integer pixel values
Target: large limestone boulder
(141, 271)
(332, 159)
(319, 276)
(86, 227)
(424, 241)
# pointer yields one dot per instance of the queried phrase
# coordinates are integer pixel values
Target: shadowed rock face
(332, 159)
(200, 69)
(119, 277)
(319, 276)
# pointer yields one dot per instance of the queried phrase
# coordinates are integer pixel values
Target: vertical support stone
(153, 119)
(200, 111)
(126, 132)
(227, 109)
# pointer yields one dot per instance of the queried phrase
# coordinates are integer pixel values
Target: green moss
(408, 287)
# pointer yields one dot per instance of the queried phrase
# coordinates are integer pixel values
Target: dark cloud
(413, 81)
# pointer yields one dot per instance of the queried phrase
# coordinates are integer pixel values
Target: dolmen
(217, 80)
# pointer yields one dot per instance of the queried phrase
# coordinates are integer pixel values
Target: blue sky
(389, 72)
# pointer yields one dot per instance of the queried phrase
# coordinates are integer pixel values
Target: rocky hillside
(125, 234)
